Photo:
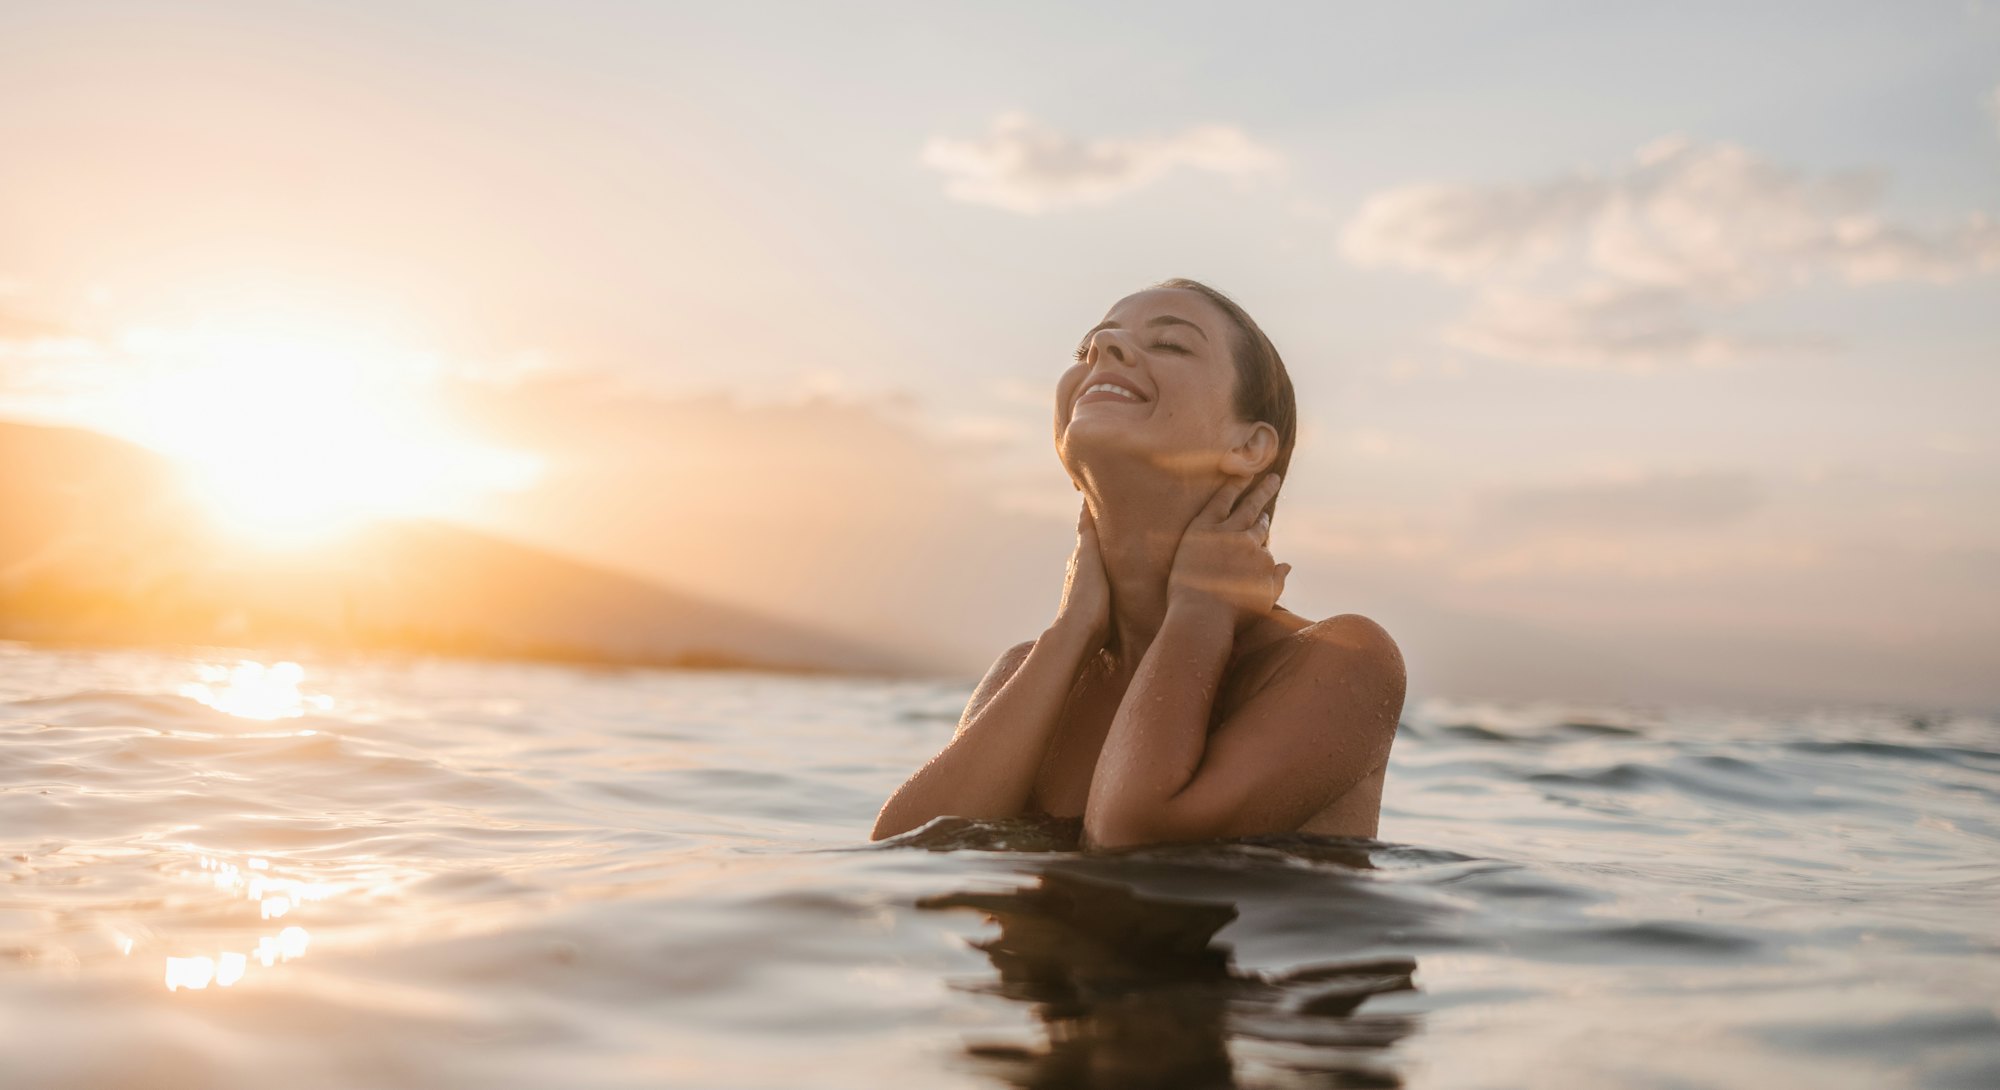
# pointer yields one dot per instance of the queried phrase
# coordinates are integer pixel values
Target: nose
(1110, 341)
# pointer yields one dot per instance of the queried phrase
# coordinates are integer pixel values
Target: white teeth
(1112, 387)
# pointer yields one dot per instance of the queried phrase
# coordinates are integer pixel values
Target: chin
(1102, 442)
(1090, 435)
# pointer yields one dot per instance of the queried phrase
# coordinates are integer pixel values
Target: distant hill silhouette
(99, 544)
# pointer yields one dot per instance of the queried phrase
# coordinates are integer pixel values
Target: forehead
(1140, 307)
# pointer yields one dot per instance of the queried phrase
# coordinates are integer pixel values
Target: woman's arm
(1160, 732)
(1321, 723)
(988, 769)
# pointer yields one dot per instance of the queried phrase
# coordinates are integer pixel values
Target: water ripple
(432, 874)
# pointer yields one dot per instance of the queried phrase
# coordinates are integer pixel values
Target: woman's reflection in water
(1135, 993)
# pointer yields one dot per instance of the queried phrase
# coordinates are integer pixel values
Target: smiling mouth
(1108, 391)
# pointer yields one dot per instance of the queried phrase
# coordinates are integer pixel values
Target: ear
(1256, 449)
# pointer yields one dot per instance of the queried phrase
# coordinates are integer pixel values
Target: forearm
(1158, 737)
(988, 769)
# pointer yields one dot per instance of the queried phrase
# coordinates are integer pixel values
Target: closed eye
(1083, 351)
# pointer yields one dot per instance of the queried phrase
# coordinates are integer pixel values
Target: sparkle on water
(433, 874)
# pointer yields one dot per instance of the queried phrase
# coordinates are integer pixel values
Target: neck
(1140, 513)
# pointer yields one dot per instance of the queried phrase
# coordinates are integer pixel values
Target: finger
(1283, 571)
(1261, 528)
(1224, 498)
(1253, 504)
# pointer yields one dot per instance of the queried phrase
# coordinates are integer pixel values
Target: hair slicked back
(1263, 386)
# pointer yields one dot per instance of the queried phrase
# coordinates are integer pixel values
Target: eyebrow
(1164, 319)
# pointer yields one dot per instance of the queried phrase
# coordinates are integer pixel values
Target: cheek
(1066, 386)
(1194, 405)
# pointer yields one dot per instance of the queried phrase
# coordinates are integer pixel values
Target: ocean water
(217, 873)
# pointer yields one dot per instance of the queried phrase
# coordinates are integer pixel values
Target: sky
(1641, 350)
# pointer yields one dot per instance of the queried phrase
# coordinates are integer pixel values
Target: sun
(290, 437)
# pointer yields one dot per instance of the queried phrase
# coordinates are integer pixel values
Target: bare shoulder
(1325, 696)
(1357, 653)
(1013, 655)
(997, 676)
(1356, 635)
(1003, 668)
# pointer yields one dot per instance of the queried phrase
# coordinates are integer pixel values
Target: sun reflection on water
(275, 896)
(251, 690)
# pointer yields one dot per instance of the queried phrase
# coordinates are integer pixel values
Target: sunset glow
(251, 690)
(290, 437)
(1624, 351)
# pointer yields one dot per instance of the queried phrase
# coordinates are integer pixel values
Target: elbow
(1097, 840)
(1109, 832)
(889, 822)
(1131, 823)
(887, 826)
(901, 817)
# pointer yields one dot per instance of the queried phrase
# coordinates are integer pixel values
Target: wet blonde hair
(1263, 386)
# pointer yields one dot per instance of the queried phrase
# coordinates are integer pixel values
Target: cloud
(1629, 269)
(18, 326)
(1579, 563)
(1464, 233)
(854, 514)
(1660, 501)
(45, 366)
(1633, 327)
(1024, 166)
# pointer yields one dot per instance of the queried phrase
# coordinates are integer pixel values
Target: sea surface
(257, 874)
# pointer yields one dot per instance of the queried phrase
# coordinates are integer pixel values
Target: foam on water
(435, 874)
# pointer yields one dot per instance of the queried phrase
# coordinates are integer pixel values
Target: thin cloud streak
(1637, 328)
(1659, 501)
(1024, 166)
(1632, 269)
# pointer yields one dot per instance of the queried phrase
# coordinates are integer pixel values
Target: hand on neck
(1141, 512)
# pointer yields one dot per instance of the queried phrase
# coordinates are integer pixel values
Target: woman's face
(1155, 379)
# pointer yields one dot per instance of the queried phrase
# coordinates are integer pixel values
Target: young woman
(1172, 698)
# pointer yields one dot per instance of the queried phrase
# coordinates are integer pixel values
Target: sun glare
(289, 439)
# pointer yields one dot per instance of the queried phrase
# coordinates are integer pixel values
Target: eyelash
(1084, 350)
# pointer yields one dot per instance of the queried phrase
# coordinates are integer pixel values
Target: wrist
(1077, 634)
(1202, 611)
